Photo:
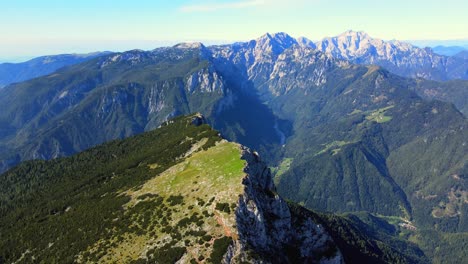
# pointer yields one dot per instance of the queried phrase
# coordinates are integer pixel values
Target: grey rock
(267, 227)
(398, 57)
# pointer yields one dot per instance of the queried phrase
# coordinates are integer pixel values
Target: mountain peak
(280, 38)
(305, 42)
(364, 40)
(353, 36)
(355, 33)
(276, 42)
(356, 44)
(189, 45)
(401, 58)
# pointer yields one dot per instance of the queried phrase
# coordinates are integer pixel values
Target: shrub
(223, 207)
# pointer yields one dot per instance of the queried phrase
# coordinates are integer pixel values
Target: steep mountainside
(365, 136)
(454, 91)
(397, 57)
(122, 94)
(344, 131)
(161, 196)
(272, 56)
(266, 60)
(18, 72)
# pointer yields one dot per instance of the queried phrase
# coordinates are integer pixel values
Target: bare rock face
(398, 57)
(198, 119)
(205, 80)
(277, 63)
(269, 232)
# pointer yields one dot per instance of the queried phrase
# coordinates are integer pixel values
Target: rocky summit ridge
(396, 56)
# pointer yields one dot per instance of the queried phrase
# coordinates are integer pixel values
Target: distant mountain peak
(305, 42)
(398, 57)
(352, 45)
(189, 45)
(276, 42)
(362, 40)
(356, 36)
(355, 33)
(279, 37)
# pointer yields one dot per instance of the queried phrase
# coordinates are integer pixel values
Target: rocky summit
(398, 57)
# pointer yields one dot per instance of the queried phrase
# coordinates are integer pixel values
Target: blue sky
(33, 27)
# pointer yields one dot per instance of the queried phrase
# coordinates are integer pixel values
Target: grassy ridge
(181, 208)
(56, 209)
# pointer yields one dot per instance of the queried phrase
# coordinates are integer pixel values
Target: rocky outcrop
(198, 119)
(277, 63)
(206, 80)
(269, 232)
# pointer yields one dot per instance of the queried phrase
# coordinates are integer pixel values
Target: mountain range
(448, 50)
(440, 63)
(340, 136)
(398, 57)
(18, 72)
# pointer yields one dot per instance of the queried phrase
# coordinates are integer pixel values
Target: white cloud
(211, 7)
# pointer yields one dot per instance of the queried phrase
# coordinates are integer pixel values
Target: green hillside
(172, 194)
(378, 148)
(95, 204)
(453, 91)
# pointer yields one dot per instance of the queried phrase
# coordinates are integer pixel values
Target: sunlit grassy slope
(193, 200)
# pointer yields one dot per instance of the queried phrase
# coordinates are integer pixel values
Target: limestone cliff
(268, 231)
